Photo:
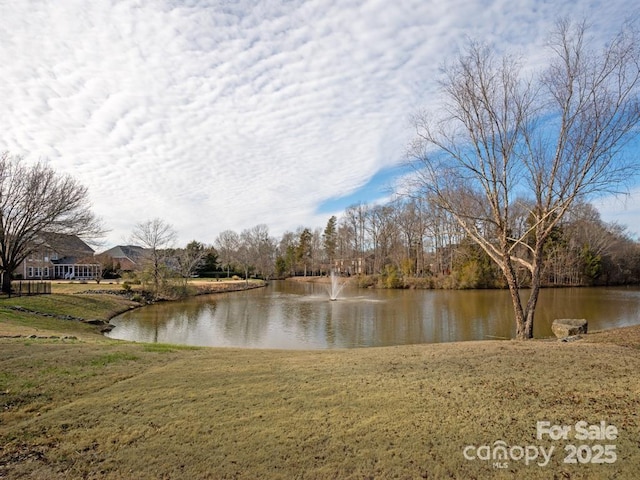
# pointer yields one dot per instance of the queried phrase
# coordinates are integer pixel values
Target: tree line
(411, 243)
(406, 243)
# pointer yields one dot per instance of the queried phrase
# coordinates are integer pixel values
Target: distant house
(349, 267)
(60, 256)
(126, 257)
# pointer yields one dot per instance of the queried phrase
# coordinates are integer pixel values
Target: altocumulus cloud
(217, 115)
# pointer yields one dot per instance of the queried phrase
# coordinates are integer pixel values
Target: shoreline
(202, 288)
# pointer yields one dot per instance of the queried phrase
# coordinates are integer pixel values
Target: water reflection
(299, 315)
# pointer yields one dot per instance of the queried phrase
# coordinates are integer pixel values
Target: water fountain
(336, 286)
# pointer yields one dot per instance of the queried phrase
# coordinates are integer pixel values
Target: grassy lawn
(96, 408)
(70, 287)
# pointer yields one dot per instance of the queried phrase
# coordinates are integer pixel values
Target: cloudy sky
(224, 114)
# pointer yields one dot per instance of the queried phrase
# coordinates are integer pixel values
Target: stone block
(567, 327)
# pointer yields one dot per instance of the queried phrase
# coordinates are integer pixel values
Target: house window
(33, 272)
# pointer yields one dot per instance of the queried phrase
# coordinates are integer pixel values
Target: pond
(299, 315)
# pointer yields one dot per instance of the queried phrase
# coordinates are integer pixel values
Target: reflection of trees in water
(471, 315)
(276, 318)
(389, 318)
(170, 322)
(243, 320)
(188, 325)
(618, 307)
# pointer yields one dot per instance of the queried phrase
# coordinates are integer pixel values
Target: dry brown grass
(625, 337)
(73, 287)
(70, 286)
(97, 408)
(118, 410)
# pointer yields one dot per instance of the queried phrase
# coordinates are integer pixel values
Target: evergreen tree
(330, 239)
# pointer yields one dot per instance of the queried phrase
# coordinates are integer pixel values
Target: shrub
(420, 283)
(137, 298)
(367, 281)
(392, 278)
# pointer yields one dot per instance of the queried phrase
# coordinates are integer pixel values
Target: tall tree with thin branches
(35, 200)
(228, 244)
(156, 236)
(507, 147)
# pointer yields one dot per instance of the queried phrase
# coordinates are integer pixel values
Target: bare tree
(545, 142)
(156, 237)
(376, 229)
(253, 242)
(35, 200)
(228, 243)
(260, 249)
(189, 259)
(251, 249)
(411, 225)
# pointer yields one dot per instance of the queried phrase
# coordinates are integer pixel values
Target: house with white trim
(60, 256)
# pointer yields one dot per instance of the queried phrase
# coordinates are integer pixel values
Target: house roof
(132, 252)
(67, 245)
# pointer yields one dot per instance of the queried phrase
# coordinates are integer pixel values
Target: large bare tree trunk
(6, 282)
(536, 283)
(514, 289)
